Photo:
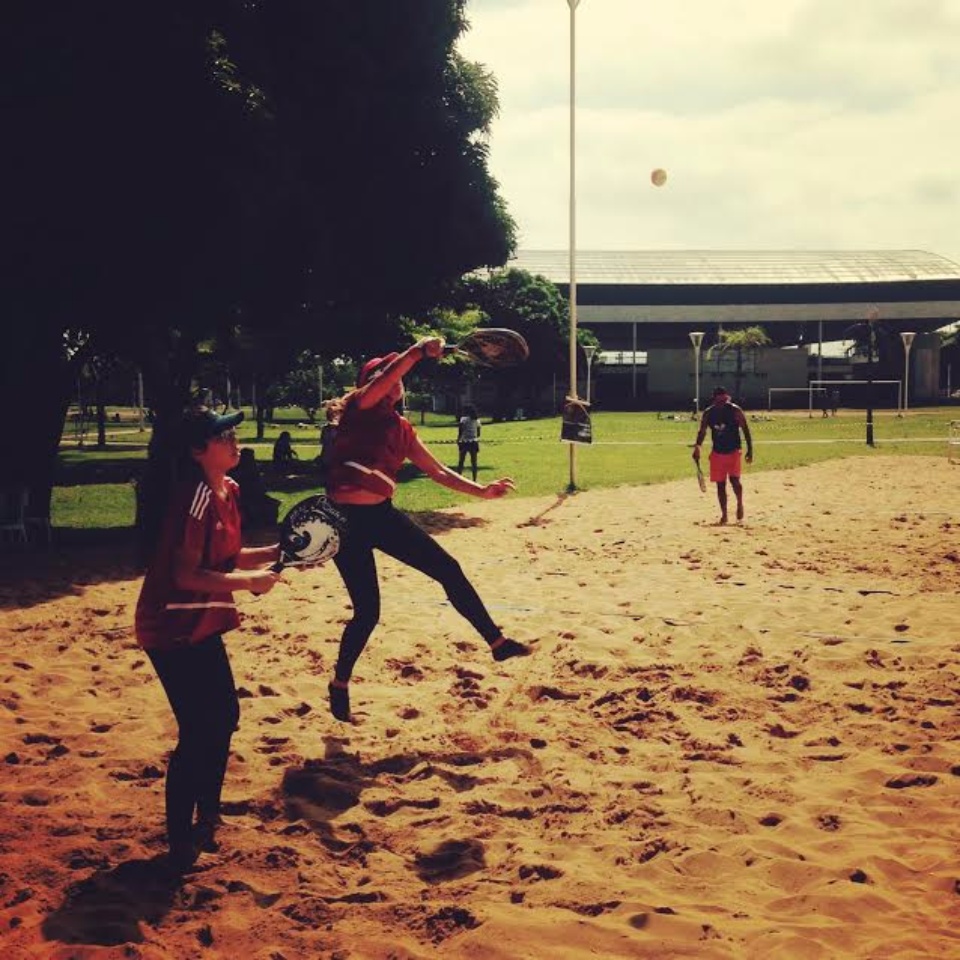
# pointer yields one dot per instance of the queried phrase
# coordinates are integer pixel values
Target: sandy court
(736, 741)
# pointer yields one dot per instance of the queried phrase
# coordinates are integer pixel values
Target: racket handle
(277, 567)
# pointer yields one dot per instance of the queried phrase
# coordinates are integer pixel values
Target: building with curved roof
(635, 299)
(642, 305)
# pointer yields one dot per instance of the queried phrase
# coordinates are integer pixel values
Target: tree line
(246, 178)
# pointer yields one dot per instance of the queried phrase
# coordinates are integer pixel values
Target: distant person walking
(725, 421)
(468, 439)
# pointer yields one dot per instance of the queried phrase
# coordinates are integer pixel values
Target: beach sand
(737, 741)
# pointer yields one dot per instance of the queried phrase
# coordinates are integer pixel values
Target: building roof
(712, 267)
(633, 299)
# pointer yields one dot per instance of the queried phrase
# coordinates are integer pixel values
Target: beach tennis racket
(491, 347)
(310, 533)
(701, 479)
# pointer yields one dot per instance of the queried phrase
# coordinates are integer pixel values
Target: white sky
(782, 124)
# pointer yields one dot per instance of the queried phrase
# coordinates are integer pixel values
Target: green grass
(629, 448)
(106, 506)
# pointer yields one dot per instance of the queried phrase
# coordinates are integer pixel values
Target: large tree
(304, 171)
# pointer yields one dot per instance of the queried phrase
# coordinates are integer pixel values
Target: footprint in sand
(539, 871)
(902, 783)
(450, 860)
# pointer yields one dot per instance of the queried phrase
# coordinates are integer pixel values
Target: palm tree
(745, 342)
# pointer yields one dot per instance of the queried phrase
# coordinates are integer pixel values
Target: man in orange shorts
(725, 421)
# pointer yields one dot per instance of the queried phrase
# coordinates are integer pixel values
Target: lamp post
(872, 315)
(907, 337)
(140, 398)
(696, 338)
(573, 4)
(589, 350)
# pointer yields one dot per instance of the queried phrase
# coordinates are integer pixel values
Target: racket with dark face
(310, 533)
(491, 347)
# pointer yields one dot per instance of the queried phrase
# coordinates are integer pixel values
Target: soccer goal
(795, 398)
(838, 393)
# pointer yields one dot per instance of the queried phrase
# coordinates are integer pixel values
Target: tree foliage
(743, 342)
(536, 309)
(288, 176)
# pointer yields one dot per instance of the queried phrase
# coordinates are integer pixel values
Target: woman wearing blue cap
(185, 606)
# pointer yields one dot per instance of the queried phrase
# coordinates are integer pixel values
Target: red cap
(372, 366)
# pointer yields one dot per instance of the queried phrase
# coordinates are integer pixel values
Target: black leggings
(385, 528)
(199, 685)
(471, 447)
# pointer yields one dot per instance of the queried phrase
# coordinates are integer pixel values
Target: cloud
(802, 123)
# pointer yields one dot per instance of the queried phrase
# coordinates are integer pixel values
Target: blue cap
(203, 424)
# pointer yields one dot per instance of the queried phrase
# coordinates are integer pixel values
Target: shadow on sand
(107, 907)
(317, 792)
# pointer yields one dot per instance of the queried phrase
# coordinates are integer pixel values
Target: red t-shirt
(168, 616)
(369, 451)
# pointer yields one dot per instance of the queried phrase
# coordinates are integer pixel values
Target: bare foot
(739, 511)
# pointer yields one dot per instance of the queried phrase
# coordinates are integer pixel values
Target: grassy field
(95, 487)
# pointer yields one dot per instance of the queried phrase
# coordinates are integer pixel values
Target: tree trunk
(101, 409)
(35, 389)
(260, 392)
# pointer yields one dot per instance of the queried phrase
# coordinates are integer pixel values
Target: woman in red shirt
(185, 606)
(371, 446)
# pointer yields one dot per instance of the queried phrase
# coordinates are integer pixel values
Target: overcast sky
(782, 124)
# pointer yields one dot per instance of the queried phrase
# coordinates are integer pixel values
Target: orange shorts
(723, 465)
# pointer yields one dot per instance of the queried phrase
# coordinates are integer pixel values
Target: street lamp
(696, 338)
(573, 4)
(907, 337)
(589, 350)
(873, 314)
(140, 397)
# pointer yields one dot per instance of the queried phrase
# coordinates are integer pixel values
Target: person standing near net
(725, 421)
(468, 439)
(372, 444)
(185, 607)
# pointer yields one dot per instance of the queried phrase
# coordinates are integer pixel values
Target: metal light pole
(589, 350)
(696, 338)
(907, 337)
(573, 4)
(872, 315)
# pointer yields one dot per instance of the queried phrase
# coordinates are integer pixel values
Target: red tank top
(370, 448)
(168, 616)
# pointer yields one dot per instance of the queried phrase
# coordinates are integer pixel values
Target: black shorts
(469, 446)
